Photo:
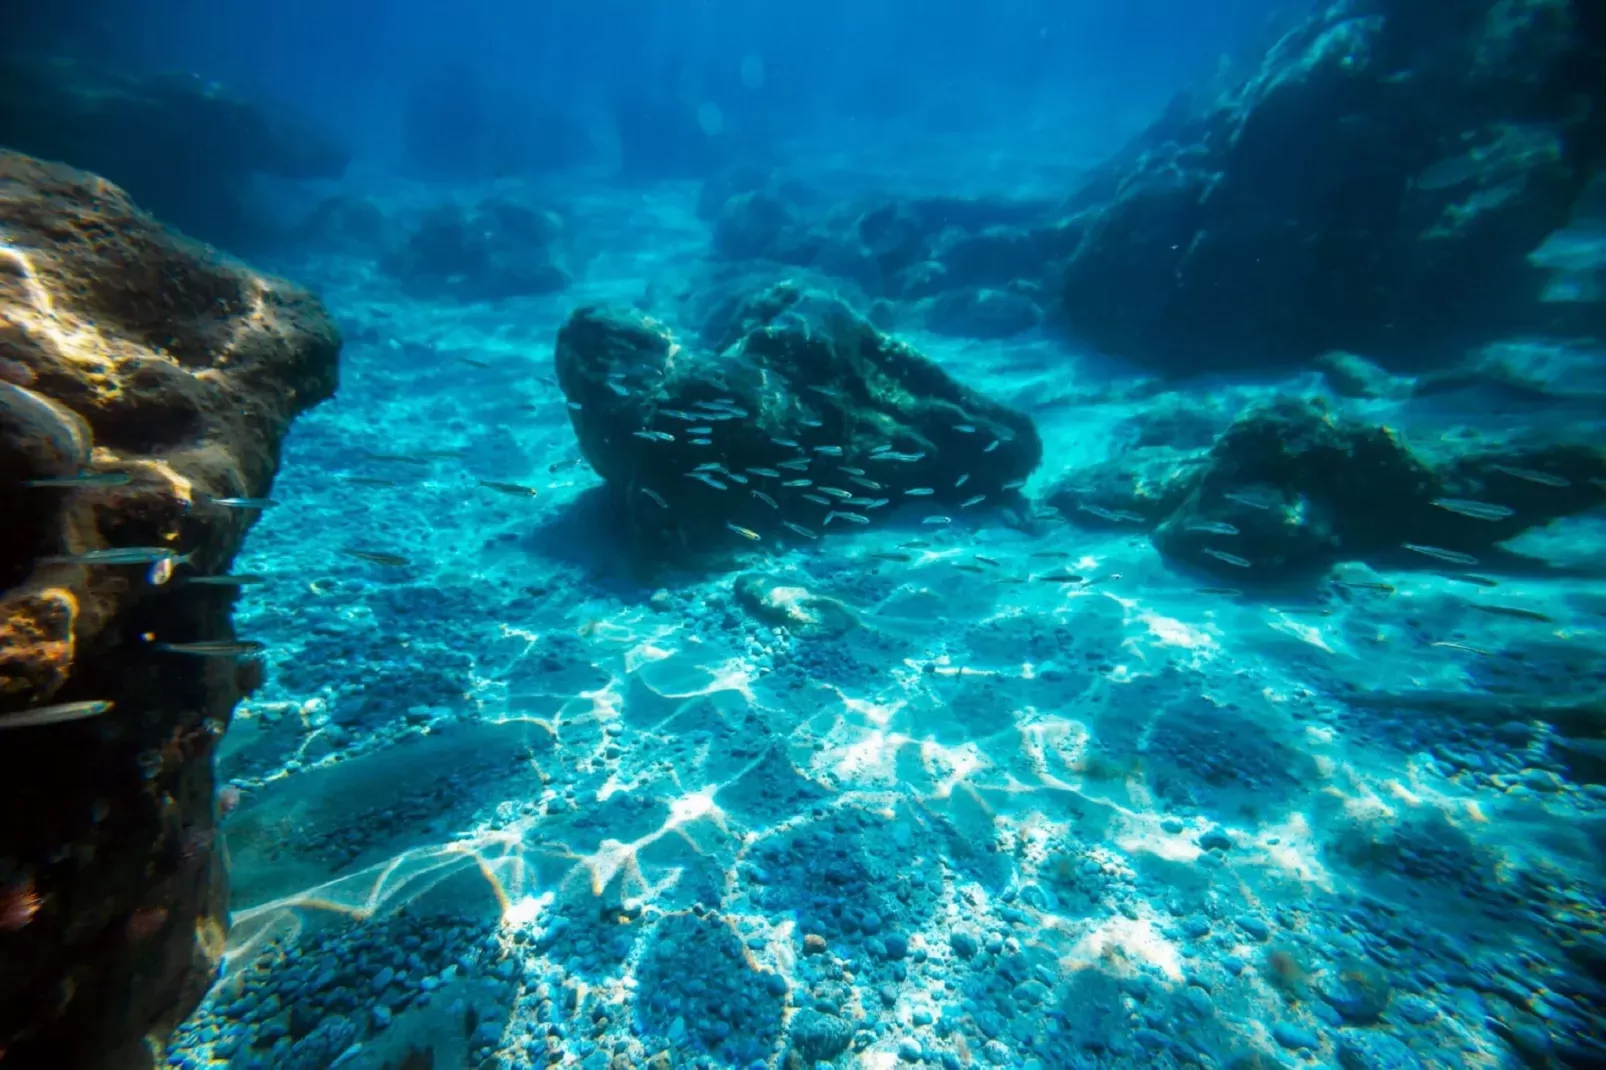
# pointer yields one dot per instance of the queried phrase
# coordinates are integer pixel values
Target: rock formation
(1376, 186)
(183, 148)
(141, 378)
(803, 416)
(1292, 488)
(499, 248)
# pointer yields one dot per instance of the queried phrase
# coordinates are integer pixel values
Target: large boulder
(143, 378)
(1375, 186)
(805, 419)
(184, 148)
(497, 248)
(1292, 487)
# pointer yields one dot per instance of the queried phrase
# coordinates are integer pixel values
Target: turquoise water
(1259, 723)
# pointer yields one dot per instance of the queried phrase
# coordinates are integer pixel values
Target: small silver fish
(829, 451)
(84, 479)
(798, 483)
(868, 503)
(800, 529)
(619, 388)
(1014, 484)
(905, 458)
(785, 443)
(646, 436)
(965, 429)
(767, 473)
(1231, 559)
(817, 499)
(1213, 527)
(746, 533)
(878, 503)
(254, 504)
(699, 430)
(826, 391)
(656, 498)
(796, 464)
(126, 555)
(703, 477)
(709, 466)
(854, 518)
(1543, 479)
(575, 405)
(962, 480)
(736, 477)
(1253, 501)
(1475, 510)
(680, 414)
(846, 470)
(993, 445)
(56, 714)
(701, 441)
(835, 492)
(242, 579)
(766, 499)
(867, 484)
(938, 521)
(968, 502)
(920, 492)
(1455, 557)
(214, 648)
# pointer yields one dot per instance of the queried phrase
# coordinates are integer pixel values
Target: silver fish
(84, 479)
(701, 441)
(767, 473)
(854, 518)
(1231, 559)
(1454, 557)
(1475, 510)
(867, 484)
(835, 492)
(965, 429)
(214, 648)
(962, 480)
(126, 555)
(242, 579)
(699, 430)
(256, 504)
(57, 714)
(703, 477)
(993, 445)
(766, 499)
(920, 492)
(785, 443)
(656, 498)
(798, 483)
(1213, 527)
(746, 533)
(1544, 479)
(1014, 484)
(796, 464)
(817, 499)
(736, 477)
(829, 451)
(938, 521)
(968, 502)
(800, 529)
(845, 470)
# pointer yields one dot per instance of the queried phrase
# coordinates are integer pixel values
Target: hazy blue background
(950, 64)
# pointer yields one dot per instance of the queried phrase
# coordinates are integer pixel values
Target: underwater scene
(708, 534)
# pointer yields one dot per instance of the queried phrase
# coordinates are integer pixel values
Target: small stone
(1255, 927)
(1215, 840)
(813, 944)
(381, 1016)
(909, 1050)
(963, 943)
(1293, 1037)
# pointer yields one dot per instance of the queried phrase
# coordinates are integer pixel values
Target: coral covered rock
(497, 249)
(1376, 185)
(805, 415)
(159, 377)
(1293, 487)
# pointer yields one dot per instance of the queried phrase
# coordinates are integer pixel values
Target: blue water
(518, 803)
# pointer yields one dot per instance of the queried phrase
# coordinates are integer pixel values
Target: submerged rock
(784, 604)
(184, 148)
(168, 376)
(807, 417)
(497, 249)
(1293, 487)
(1376, 185)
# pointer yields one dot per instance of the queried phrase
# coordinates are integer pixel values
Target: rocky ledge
(803, 419)
(146, 384)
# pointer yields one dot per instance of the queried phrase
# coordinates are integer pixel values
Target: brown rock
(813, 944)
(128, 349)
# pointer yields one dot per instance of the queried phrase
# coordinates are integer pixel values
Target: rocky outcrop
(183, 148)
(1291, 488)
(803, 419)
(496, 249)
(1375, 186)
(144, 378)
(956, 266)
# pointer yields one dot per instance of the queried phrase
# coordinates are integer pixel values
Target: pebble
(963, 943)
(1293, 1036)
(1254, 927)
(1365, 1049)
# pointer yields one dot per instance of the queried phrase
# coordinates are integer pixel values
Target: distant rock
(1375, 186)
(982, 313)
(1293, 487)
(780, 603)
(807, 417)
(184, 148)
(498, 248)
(158, 359)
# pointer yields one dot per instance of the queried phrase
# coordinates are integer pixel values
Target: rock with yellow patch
(143, 373)
(800, 611)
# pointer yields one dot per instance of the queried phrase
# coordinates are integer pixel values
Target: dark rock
(133, 928)
(1358, 991)
(1359, 1049)
(982, 313)
(184, 149)
(817, 1036)
(1375, 186)
(751, 226)
(809, 390)
(497, 249)
(1293, 487)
